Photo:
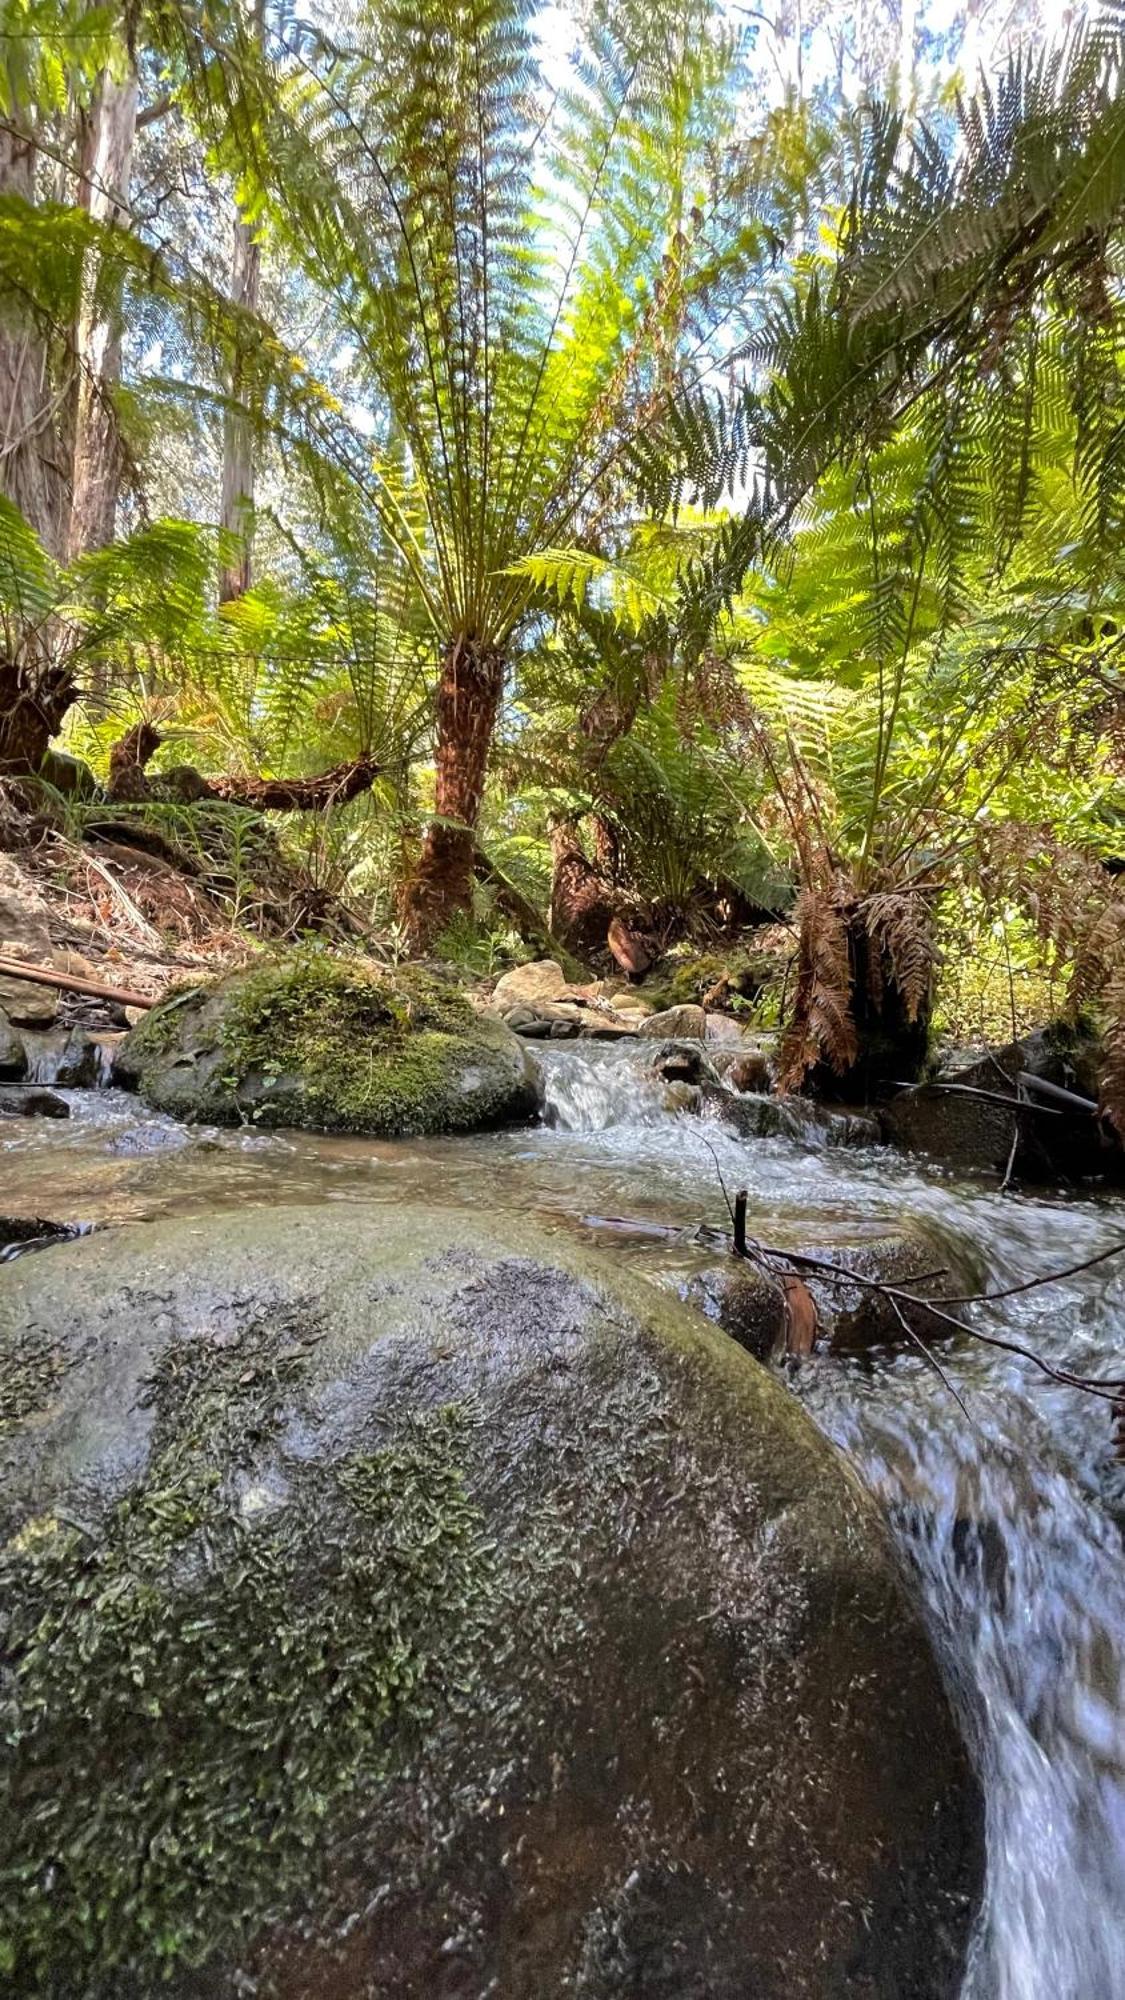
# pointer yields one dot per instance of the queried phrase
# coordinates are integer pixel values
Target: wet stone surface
(446, 1613)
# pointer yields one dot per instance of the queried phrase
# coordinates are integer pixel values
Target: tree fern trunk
(32, 706)
(468, 697)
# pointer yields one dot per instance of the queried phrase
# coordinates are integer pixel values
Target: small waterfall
(46, 1054)
(104, 1053)
(591, 1086)
(1020, 1576)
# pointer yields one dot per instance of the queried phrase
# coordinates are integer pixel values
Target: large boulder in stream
(330, 1045)
(398, 1603)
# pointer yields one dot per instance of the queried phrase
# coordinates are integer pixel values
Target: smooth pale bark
(32, 473)
(468, 698)
(35, 683)
(237, 505)
(104, 192)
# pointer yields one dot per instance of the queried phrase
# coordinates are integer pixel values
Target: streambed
(1008, 1519)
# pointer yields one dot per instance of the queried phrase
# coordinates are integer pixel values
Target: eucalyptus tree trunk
(468, 699)
(35, 689)
(107, 155)
(237, 505)
(32, 472)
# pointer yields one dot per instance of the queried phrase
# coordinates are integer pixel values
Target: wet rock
(26, 1101)
(13, 1061)
(750, 1072)
(525, 985)
(681, 1062)
(474, 1619)
(744, 1302)
(748, 1304)
(68, 1058)
(676, 1024)
(964, 1117)
(854, 1316)
(331, 1046)
(20, 1234)
(754, 1116)
(681, 1096)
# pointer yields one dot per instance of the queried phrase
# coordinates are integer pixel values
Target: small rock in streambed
(681, 1062)
(13, 1056)
(752, 1115)
(678, 1024)
(25, 1101)
(746, 1300)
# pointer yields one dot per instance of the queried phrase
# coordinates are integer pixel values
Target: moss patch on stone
(190, 1616)
(330, 1045)
(29, 1378)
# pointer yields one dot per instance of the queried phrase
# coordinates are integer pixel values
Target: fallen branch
(129, 780)
(1107, 1387)
(71, 982)
(329, 788)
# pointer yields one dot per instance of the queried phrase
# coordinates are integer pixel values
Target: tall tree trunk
(236, 510)
(468, 697)
(237, 506)
(35, 684)
(107, 155)
(32, 473)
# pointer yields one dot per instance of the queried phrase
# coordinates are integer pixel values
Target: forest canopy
(611, 480)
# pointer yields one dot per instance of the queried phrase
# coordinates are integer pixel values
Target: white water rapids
(1008, 1520)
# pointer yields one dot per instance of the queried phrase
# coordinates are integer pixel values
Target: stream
(1008, 1519)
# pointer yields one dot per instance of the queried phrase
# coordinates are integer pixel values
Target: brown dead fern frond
(900, 925)
(822, 1028)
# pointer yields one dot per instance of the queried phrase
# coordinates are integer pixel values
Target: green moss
(683, 982)
(322, 1043)
(29, 1378)
(189, 1703)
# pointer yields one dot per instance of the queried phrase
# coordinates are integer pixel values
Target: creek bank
(330, 1045)
(474, 1618)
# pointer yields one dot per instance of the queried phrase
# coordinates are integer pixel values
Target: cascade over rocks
(331, 1046)
(447, 1613)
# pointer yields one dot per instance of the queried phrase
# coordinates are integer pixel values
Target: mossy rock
(331, 1046)
(398, 1603)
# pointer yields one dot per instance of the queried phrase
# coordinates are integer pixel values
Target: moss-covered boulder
(332, 1046)
(400, 1604)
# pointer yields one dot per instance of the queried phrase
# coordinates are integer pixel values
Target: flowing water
(1007, 1512)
